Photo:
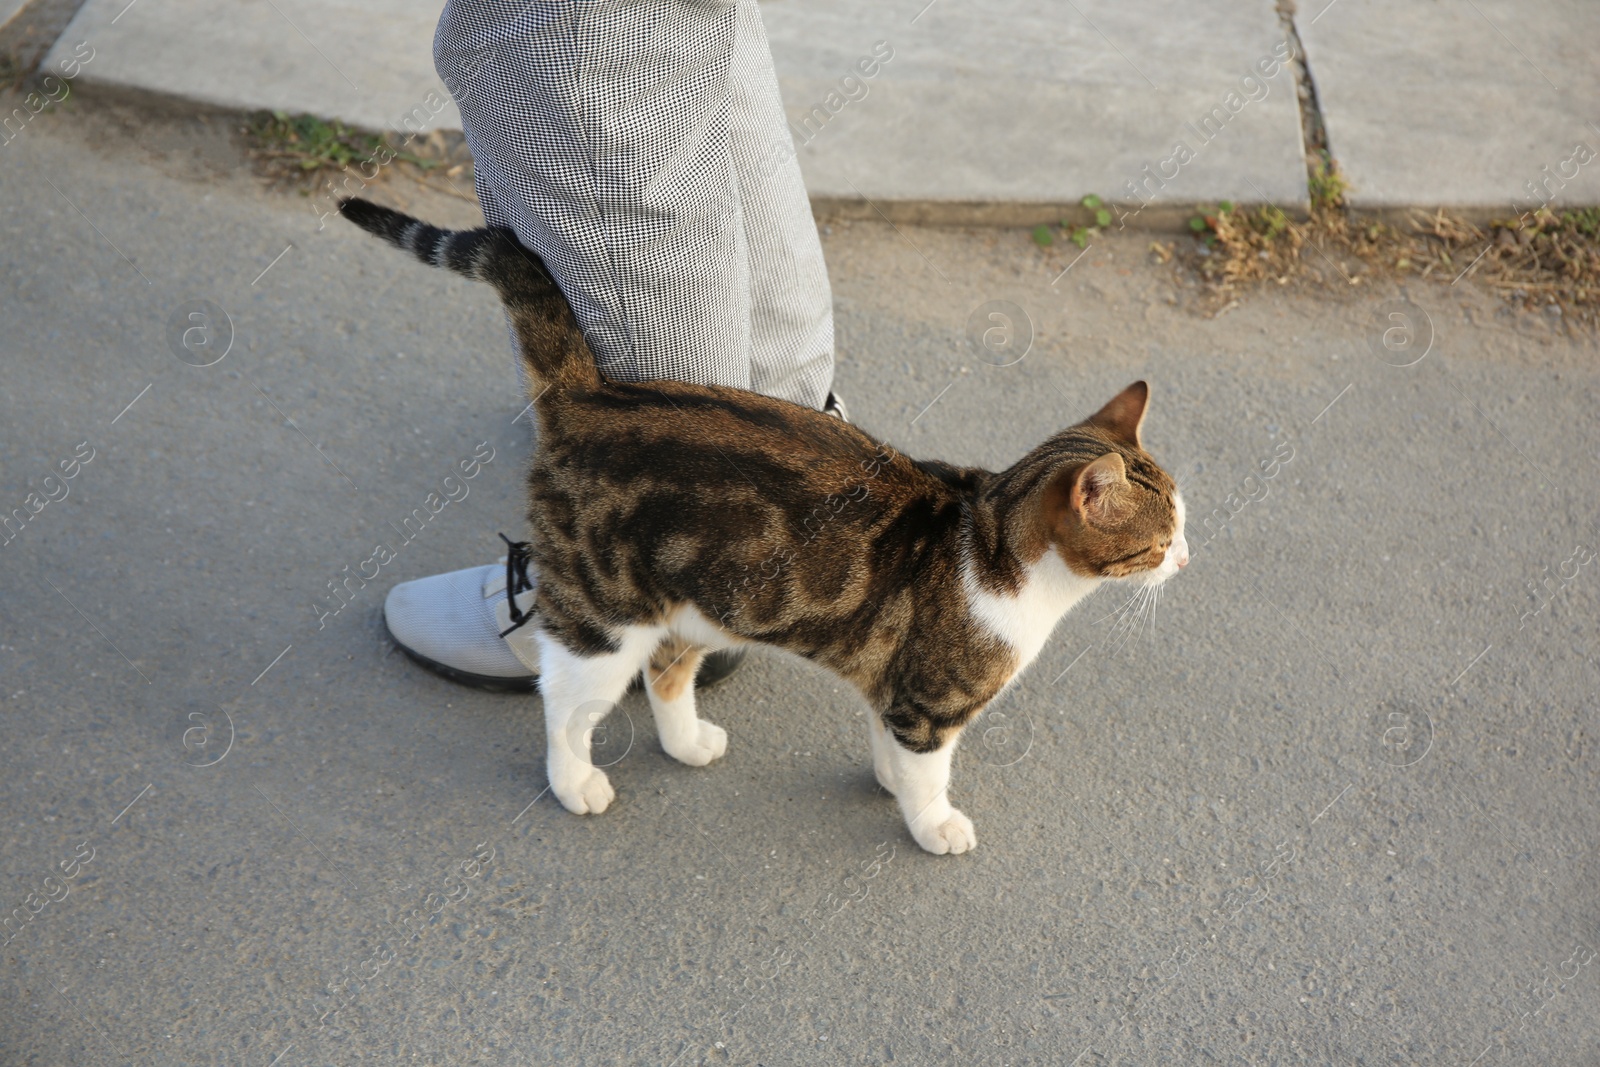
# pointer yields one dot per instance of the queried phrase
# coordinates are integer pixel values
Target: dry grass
(305, 152)
(1540, 258)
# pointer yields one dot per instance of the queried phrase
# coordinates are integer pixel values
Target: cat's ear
(1098, 490)
(1123, 416)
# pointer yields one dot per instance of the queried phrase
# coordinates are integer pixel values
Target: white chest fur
(1024, 620)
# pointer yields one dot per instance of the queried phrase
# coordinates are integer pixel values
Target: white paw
(954, 835)
(589, 795)
(707, 742)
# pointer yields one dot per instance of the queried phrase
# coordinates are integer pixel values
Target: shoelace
(517, 581)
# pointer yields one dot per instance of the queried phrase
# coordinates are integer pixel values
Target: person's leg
(640, 148)
(600, 133)
(791, 304)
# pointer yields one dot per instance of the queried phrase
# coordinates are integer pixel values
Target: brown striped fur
(788, 527)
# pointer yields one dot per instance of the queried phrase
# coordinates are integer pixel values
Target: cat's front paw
(706, 742)
(589, 795)
(954, 835)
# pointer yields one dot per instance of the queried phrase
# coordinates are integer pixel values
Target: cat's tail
(553, 348)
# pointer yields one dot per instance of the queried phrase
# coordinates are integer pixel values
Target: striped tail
(552, 343)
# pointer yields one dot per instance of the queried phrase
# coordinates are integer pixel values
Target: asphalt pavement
(1333, 803)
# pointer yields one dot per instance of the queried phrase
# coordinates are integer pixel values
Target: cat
(670, 519)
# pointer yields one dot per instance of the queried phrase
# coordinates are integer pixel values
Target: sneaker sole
(717, 666)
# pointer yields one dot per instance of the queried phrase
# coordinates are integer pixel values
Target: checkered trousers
(640, 147)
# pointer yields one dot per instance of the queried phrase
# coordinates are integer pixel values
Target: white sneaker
(452, 624)
(463, 626)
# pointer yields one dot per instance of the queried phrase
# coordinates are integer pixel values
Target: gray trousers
(640, 148)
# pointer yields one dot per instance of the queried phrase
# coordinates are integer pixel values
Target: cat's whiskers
(1128, 618)
(1140, 613)
(1117, 610)
(1149, 599)
(1136, 619)
(1156, 592)
(1120, 616)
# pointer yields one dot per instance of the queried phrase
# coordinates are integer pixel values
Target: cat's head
(1111, 510)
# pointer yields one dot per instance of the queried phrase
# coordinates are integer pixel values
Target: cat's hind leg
(579, 691)
(669, 681)
(922, 782)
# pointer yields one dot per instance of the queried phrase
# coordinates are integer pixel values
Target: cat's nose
(1183, 555)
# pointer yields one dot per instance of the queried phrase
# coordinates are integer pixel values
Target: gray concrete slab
(368, 62)
(1026, 102)
(1476, 104)
(1338, 806)
(966, 106)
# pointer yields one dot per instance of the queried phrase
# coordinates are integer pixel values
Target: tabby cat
(671, 519)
